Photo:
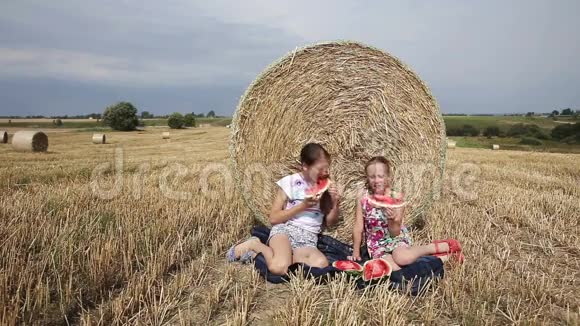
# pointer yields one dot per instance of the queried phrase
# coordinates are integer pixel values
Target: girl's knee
(319, 261)
(400, 256)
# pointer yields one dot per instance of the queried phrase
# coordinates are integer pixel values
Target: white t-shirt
(295, 187)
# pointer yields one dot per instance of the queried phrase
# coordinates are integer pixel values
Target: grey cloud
(142, 48)
(487, 56)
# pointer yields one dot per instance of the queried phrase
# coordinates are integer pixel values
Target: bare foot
(442, 246)
(245, 246)
(444, 258)
(453, 258)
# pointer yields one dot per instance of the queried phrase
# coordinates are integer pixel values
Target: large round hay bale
(30, 141)
(355, 100)
(3, 137)
(495, 146)
(99, 138)
(165, 135)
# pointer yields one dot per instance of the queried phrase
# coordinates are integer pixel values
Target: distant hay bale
(3, 137)
(99, 139)
(451, 143)
(165, 135)
(355, 100)
(30, 141)
(494, 146)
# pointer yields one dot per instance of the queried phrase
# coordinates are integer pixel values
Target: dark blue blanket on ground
(415, 278)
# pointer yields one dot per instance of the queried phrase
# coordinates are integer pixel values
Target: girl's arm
(280, 215)
(332, 217)
(357, 231)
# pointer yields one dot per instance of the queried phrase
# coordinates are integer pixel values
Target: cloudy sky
(73, 57)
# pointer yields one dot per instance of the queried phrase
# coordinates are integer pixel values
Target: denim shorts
(298, 237)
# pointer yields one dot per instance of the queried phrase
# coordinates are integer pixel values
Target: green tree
(175, 121)
(555, 113)
(146, 115)
(57, 122)
(453, 131)
(527, 130)
(565, 130)
(492, 131)
(121, 116)
(469, 130)
(210, 114)
(189, 120)
(567, 111)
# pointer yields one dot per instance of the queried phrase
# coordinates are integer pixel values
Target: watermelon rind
(315, 191)
(378, 203)
(353, 272)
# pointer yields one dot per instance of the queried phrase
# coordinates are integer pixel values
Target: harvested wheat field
(83, 242)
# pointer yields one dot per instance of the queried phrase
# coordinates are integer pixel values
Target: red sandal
(454, 246)
(456, 256)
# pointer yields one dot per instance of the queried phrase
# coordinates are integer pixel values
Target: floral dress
(379, 241)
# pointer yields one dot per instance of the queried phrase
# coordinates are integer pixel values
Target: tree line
(530, 134)
(142, 115)
(123, 116)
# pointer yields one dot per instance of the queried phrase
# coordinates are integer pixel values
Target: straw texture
(165, 135)
(355, 100)
(30, 141)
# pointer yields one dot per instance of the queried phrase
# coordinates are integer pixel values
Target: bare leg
(310, 256)
(407, 255)
(278, 254)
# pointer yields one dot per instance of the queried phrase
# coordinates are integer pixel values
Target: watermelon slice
(376, 269)
(348, 266)
(318, 189)
(395, 200)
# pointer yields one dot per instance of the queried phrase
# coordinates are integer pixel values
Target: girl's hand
(393, 214)
(355, 257)
(310, 201)
(334, 194)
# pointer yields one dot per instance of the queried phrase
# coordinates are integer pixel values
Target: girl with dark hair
(296, 219)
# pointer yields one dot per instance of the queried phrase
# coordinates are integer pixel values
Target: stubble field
(135, 231)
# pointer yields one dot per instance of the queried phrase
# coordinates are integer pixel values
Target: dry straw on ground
(68, 256)
(355, 100)
(3, 137)
(30, 141)
(165, 135)
(99, 139)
